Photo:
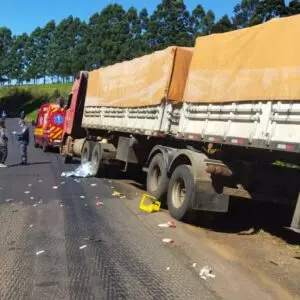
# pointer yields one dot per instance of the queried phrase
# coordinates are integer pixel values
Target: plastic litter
(116, 194)
(34, 205)
(61, 205)
(170, 224)
(9, 200)
(99, 203)
(82, 247)
(76, 180)
(40, 202)
(194, 265)
(40, 180)
(84, 170)
(168, 241)
(82, 197)
(93, 184)
(27, 192)
(206, 272)
(97, 197)
(62, 183)
(31, 225)
(31, 198)
(168, 268)
(40, 252)
(55, 187)
(122, 197)
(154, 206)
(93, 239)
(29, 184)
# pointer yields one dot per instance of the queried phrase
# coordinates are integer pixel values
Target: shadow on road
(30, 164)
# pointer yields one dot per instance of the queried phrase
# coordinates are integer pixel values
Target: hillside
(29, 98)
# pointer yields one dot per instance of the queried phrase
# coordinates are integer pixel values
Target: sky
(25, 15)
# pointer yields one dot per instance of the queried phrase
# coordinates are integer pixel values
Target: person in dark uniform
(23, 138)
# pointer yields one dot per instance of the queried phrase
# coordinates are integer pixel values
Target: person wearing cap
(3, 144)
(23, 138)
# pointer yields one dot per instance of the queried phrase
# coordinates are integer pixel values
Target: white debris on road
(170, 224)
(9, 200)
(55, 187)
(82, 247)
(27, 192)
(168, 241)
(82, 197)
(41, 180)
(194, 265)
(31, 225)
(31, 198)
(29, 184)
(168, 268)
(93, 184)
(40, 252)
(84, 170)
(62, 183)
(99, 203)
(206, 272)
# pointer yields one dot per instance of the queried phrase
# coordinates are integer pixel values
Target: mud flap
(207, 199)
(295, 226)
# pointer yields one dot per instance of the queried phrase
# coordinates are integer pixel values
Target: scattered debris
(168, 241)
(55, 187)
(62, 183)
(97, 197)
(40, 252)
(31, 225)
(82, 247)
(194, 265)
(93, 184)
(93, 239)
(29, 184)
(170, 224)
(31, 198)
(85, 205)
(9, 200)
(154, 206)
(61, 205)
(76, 180)
(99, 203)
(123, 197)
(82, 197)
(116, 194)
(168, 268)
(274, 263)
(27, 192)
(41, 180)
(206, 272)
(40, 202)
(34, 205)
(84, 170)
(109, 181)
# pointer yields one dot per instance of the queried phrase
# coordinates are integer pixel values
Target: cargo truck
(219, 120)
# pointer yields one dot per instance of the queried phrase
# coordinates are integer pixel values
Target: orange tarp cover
(252, 64)
(144, 81)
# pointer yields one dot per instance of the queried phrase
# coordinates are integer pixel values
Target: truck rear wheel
(181, 192)
(97, 164)
(157, 179)
(87, 151)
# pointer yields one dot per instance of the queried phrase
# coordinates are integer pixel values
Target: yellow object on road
(154, 206)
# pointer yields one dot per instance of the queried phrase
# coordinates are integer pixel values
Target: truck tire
(181, 192)
(157, 179)
(68, 159)
(87, 151)
(97, 163)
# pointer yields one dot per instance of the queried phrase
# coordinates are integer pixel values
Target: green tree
(17, 58)
(201, 23)
(5, 48)
(293, 7)
(169, 25)
(223, 25)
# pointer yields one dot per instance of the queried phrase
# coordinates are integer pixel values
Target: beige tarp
(143, 81)
(257, 63)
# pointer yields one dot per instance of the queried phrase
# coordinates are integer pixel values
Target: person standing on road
(3, 144)
(23, 138)
(3, 115)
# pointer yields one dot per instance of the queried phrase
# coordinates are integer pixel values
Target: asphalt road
(122, 260)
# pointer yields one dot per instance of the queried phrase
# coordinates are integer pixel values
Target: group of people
(22, 137)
